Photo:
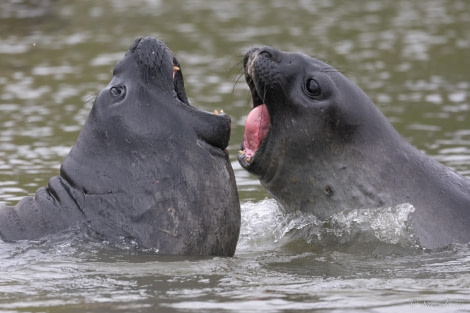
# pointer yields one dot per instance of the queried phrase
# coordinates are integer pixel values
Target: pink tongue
(256, 128)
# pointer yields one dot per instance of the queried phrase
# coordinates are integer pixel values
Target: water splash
(264, 224)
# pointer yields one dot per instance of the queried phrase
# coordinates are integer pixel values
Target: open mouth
(257, 125)
(178, 82)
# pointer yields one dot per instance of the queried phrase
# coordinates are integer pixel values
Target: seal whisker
(178, 58)
(282, 87)
(89, 100)
(250, 99)
(237, 67)
(329, 70)
(237, 80)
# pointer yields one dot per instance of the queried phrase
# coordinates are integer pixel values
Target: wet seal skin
(146, 166)
(318, 144)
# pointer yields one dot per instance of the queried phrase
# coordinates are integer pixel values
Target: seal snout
(266, 52)
(154, 57)
(158, 65)
(260, 73)
(150, 52)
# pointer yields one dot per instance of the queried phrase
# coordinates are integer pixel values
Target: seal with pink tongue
(256, 128)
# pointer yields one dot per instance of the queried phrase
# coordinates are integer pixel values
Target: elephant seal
(146, 166)
(318, 144)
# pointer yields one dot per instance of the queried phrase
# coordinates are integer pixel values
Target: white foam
(264, 224)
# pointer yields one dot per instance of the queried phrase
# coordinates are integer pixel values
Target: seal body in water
(146, 166)
(318, 144)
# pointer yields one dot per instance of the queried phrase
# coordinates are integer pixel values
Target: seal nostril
(266, 54)
(270, 53)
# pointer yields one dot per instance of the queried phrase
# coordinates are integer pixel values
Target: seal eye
(312, 87)
(118, 91)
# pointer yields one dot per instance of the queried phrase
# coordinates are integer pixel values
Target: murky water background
(411, 57)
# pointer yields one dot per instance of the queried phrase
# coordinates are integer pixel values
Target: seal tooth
(175, 69)
(242, 154)
(216, 112)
